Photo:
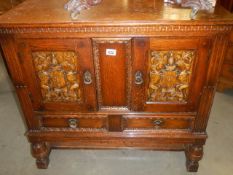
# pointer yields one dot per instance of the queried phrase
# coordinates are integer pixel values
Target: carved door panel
(169, 73)
(59, 73)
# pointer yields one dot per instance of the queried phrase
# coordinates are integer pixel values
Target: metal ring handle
(158, 122)
(87, 78)
(138, 78)
(73, 123)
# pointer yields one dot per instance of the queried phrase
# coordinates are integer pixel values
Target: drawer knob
(158, 122)
(87, 78)
(138, 78)
(73, 123)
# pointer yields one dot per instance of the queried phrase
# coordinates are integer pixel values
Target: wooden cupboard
(140, 79)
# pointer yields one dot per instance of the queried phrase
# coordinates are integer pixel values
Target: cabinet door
(169, 73)
(59, 73)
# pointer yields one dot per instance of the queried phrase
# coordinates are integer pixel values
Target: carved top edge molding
(118, 29)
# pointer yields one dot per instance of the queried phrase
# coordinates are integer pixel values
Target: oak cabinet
(143, 79)
(100, 87)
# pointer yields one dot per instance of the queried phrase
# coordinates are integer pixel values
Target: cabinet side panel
(14, 66)
(216, 61)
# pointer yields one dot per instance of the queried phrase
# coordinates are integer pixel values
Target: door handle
(73, 123)
(87, 79)
(138, 78)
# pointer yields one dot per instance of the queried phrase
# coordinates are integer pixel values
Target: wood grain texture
(115, 123)
(226, 75)
(227, 71)
(140, 11)
(196, 45)
(84, 96)
(8, 4)
(99, 122)
(206, 101)
(41, 151)
(193, 153)
(113, 88)
(111, 108)
(156, 123)
(228, 4)
(113, 91)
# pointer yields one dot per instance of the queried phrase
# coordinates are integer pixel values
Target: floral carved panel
(58, 76)
(169, 75)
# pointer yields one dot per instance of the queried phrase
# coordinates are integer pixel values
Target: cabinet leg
(41, 152)
(193, 153)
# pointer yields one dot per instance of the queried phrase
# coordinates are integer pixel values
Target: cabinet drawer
(227, 71)
(158, 122)
(75, 122)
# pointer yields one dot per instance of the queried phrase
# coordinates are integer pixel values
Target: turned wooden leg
(193, 153)
(41, 152)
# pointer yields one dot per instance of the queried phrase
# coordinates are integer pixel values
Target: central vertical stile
(112, 59)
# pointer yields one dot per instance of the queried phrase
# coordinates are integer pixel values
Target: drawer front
(117, 123)
(227, 71)
(98, 122)
(158, 122)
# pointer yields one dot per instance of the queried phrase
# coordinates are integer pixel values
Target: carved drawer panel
(158, 122)
(84, 122)
(227, 71)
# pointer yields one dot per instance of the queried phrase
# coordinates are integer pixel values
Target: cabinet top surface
(38, 12)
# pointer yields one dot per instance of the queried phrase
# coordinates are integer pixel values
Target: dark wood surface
(228, 4)
(141, 63)
(52, 12)
(84, 63)
(155, 93)
(6, 5)
(226, 76)
(114, 96)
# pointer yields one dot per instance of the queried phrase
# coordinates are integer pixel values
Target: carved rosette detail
(58, 75)
(169, 75)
